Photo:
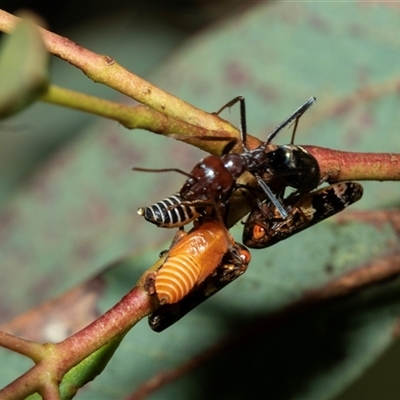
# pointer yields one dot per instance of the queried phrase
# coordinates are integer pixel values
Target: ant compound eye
(259, 232)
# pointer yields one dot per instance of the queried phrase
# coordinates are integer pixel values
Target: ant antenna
(295, 116)
(162, 170)
(295, 124)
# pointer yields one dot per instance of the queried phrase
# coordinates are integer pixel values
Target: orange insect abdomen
(191, 260)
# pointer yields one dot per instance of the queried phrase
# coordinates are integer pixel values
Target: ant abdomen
(169, 213)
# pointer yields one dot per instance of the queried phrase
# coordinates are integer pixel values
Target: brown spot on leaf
(236, 73)
(59, 318)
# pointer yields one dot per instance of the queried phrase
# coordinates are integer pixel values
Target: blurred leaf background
(68, 196)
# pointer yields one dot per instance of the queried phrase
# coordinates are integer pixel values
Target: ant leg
(229, 104)
(255, 201)
(243, 122)
(275, 199)
(295, 116)
(272, 197)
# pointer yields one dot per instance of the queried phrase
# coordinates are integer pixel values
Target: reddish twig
(104, 69)
(338, 166)
(56, 360)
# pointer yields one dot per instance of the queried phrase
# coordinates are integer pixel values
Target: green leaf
(79, 213)
(23, 68)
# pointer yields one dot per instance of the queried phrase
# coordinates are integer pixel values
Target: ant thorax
(255, 159)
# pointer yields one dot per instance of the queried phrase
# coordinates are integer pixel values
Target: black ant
(213, 179)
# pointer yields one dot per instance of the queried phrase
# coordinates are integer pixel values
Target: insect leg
(272, 197)
(229, 104)
(243, 121)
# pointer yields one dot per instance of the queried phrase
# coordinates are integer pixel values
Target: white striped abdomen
(169, 213)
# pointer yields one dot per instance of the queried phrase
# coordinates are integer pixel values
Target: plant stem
(104, 69)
